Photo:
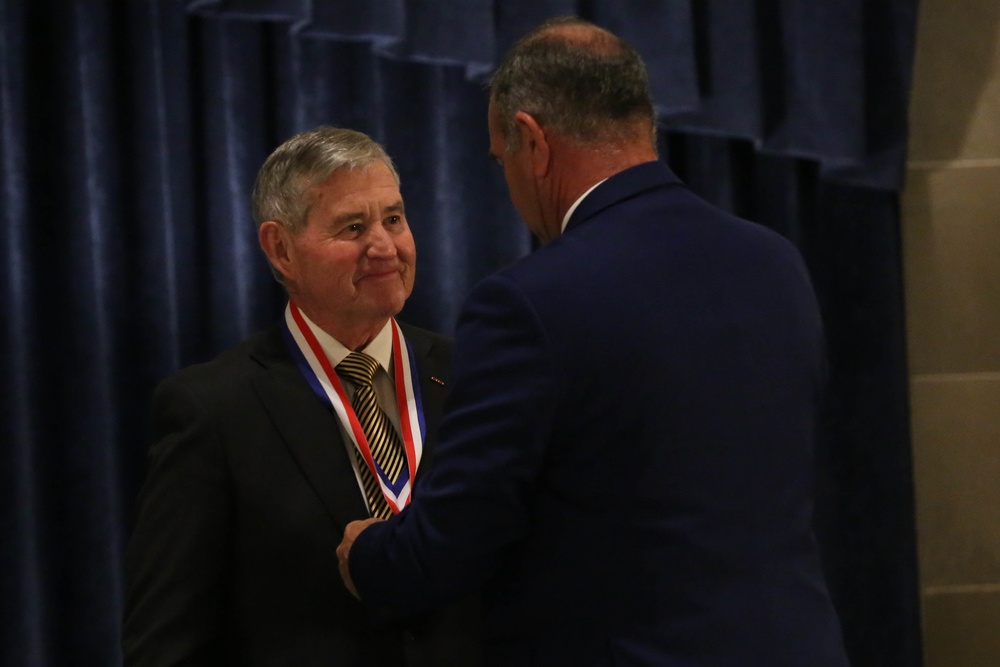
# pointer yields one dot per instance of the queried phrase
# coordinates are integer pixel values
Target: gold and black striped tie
(383, 441)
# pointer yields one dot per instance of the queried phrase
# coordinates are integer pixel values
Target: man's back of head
(578, 80)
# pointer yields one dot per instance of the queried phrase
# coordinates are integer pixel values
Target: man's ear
(275, 241)
(534, 139)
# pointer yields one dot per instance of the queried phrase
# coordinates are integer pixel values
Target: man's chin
(383, 305)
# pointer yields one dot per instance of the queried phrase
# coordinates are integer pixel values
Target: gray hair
(575, 78)
(283, 190)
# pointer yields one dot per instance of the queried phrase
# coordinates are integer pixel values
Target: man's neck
(355, 338)
(352, 335)
(585, 166)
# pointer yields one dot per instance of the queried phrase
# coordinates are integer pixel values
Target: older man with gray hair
(262, 456)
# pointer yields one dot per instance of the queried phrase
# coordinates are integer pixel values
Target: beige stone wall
(951, 255)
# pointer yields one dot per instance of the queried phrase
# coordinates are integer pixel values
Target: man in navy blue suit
(626, 463)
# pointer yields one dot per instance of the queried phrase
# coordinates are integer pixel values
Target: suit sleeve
(174, 565)
(476, 501)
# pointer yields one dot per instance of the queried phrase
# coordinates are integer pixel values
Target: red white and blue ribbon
(315, 366)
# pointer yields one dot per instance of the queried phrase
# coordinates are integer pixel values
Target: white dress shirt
(579, 199)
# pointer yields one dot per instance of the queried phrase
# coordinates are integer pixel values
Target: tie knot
(358, 367)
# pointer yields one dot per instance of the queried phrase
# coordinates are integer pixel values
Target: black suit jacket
(232, 559)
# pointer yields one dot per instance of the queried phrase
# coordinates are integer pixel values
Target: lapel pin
(440, 382)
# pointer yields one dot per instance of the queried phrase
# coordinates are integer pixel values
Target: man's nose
(381, 244)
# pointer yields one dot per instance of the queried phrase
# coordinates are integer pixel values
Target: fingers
(351, 533)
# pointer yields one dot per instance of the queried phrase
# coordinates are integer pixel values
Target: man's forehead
(346, 181)
(361, 209)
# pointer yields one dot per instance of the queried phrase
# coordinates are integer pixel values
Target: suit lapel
(309, 430)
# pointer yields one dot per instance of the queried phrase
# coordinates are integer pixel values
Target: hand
(351, 533)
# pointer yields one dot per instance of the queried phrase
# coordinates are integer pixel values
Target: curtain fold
(866, 503)
(130, 135)
(19, 513)
(823, 81)
(665, 34)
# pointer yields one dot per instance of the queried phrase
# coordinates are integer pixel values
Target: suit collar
(623, 185)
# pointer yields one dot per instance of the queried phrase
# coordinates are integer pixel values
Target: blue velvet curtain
(130, 133)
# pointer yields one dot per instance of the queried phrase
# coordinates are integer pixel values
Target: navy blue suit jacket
(626, 459)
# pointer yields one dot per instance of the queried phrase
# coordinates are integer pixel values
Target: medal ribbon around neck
(325, 383)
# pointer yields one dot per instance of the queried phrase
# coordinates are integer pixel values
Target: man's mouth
(380, 275)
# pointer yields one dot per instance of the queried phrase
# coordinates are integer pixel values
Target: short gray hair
(283, 190)
(588, 85)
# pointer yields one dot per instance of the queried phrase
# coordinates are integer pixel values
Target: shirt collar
(579, 199)
(379, 349)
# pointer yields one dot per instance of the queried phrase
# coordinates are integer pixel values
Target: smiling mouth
(382, 275)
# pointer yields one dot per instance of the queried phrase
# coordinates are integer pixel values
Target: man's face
(517, 172)
(354, 261)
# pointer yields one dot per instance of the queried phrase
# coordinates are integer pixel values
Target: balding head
(577, 80)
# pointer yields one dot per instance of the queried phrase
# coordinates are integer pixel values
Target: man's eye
(393, 219)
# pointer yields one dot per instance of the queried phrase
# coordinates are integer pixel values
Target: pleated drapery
(130, 134)
(826, 81)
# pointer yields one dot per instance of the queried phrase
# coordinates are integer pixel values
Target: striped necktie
(383, 441)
